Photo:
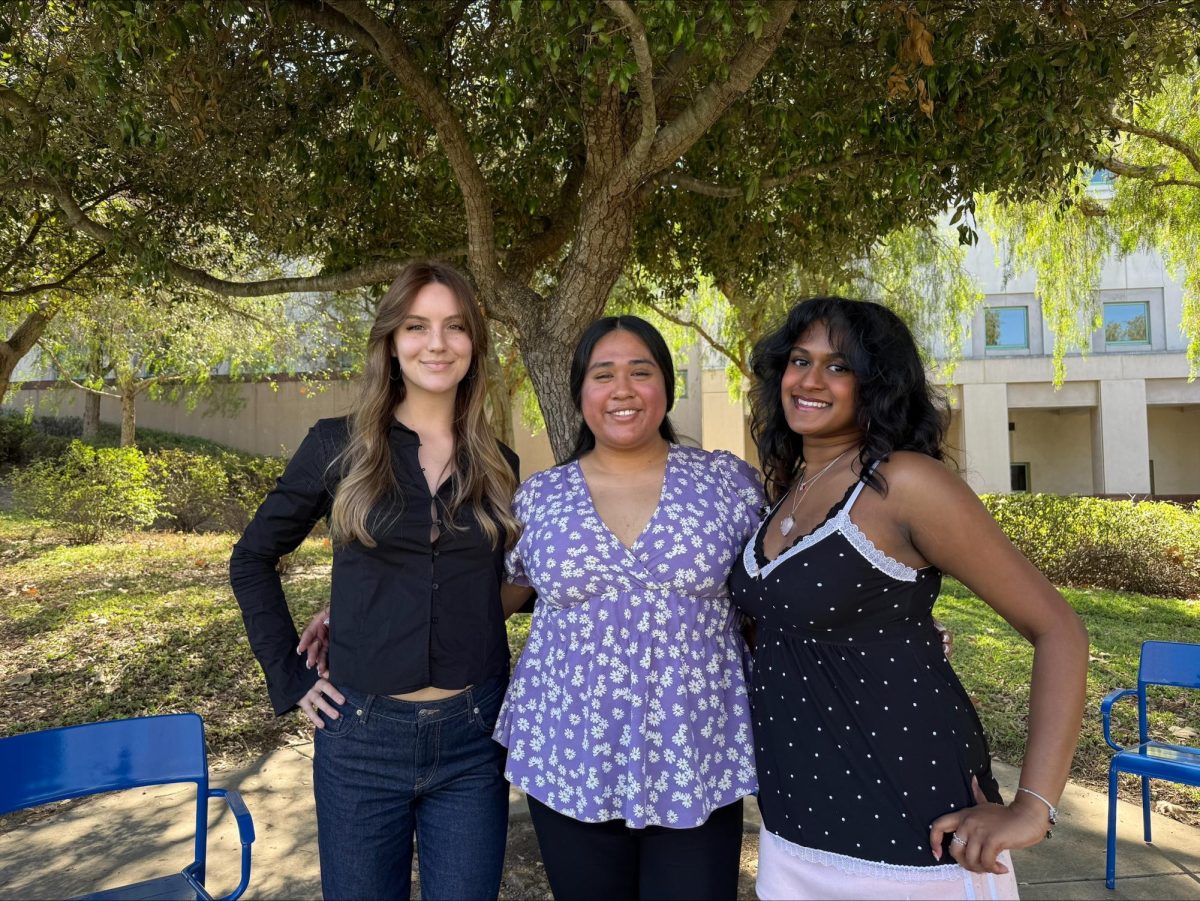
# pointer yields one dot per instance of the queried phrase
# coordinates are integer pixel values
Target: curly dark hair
(897, 407)
(585, 440)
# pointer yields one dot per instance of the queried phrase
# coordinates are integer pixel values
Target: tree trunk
(22, 341)
(500, 413)
(549, 364)
(128, 418)
(91, 415)
(548, 332)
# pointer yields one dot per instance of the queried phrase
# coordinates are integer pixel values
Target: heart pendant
(786, 524)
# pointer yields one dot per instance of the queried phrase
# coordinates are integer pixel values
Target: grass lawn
(147, 624)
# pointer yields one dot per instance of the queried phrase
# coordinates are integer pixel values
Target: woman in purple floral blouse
(627, 721)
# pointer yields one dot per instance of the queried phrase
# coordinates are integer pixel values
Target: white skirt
(787, 870)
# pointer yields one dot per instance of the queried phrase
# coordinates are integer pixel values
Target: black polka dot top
(863, 733)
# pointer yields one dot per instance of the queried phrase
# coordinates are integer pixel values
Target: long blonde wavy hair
(484, 480)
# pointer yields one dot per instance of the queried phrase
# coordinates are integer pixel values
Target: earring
(395, 375)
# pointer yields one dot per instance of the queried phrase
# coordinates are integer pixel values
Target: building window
(681, 384)
(1126, 323)
(1019, 477)
(1006, 328)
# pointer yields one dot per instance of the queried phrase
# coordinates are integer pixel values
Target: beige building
(1125, 421)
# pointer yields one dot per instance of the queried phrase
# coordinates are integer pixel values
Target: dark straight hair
(650, 336)
(897, 408)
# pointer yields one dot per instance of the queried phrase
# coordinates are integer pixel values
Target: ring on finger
(955, 840)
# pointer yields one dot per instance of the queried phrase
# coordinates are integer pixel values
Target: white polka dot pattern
(863, 733)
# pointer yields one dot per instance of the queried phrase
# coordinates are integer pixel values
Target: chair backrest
(56, 764)
(1174, 663)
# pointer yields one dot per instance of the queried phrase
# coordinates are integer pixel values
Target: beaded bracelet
(1053, 811)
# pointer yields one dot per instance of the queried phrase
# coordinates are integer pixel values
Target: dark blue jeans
(386, 770)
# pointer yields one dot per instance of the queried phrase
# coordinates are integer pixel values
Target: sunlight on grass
(994, 662)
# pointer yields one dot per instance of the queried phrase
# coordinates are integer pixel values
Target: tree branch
(1127, 170)
(50, 286)
(677, 136)
(677, 64)
(1181, 182)
(386, 44)
(1147, 173)
(645, 82)
(717, 345)
(1113, 120)
(29, 331)
(524, 259)
(20, 250)
(711, 189)
(37, 119)
(369, 274)
(63, 377)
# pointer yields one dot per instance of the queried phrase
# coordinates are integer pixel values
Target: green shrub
(194, 487)
(1149, 547)
(24, 441)
(14, 430)
(250, 478)
(88, 491)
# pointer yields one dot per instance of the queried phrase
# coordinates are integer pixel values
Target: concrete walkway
(129, 836)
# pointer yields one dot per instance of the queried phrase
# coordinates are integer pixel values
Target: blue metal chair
(1170, 663)
(75, 761)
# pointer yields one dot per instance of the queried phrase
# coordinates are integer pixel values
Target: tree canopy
(545, 146)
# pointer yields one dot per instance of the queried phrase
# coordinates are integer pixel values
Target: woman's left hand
(947, 638)
(978, 834)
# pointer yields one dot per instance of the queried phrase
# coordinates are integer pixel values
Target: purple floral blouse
(629, 701)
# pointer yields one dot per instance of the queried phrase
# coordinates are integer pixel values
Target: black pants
(611, 861)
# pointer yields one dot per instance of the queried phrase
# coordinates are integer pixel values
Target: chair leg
(1110, 862)
(1146, 807)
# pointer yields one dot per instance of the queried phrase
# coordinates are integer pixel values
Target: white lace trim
(873, 555)
(856, 866)
(841, 522)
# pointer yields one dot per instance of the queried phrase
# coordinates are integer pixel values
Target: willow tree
(548, 145)
(1150, 200)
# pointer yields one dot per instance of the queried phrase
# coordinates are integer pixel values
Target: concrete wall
(269, 421)
(1057, 445)
(1175, 448)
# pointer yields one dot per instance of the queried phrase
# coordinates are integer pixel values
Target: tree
(549, 145)
(44, 265)
(918, 272)
(1151, 199)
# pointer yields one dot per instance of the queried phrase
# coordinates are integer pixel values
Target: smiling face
(624, 394)
(819, 391)
(432, 343)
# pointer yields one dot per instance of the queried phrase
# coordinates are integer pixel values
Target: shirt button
(435, 586)
(433, 620)
(435, 553)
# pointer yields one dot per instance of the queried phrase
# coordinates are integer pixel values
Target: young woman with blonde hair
(417, 492)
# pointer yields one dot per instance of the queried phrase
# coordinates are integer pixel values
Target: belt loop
(365, 710)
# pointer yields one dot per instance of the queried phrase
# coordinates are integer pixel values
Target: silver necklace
(789, 522)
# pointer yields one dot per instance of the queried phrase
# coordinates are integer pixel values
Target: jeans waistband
(425, 712)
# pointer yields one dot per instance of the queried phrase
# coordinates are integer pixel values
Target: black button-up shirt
(405, 614)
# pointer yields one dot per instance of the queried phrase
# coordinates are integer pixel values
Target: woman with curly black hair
(874, 771)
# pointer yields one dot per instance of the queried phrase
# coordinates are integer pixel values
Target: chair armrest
(245, 833)
(1106, 713)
